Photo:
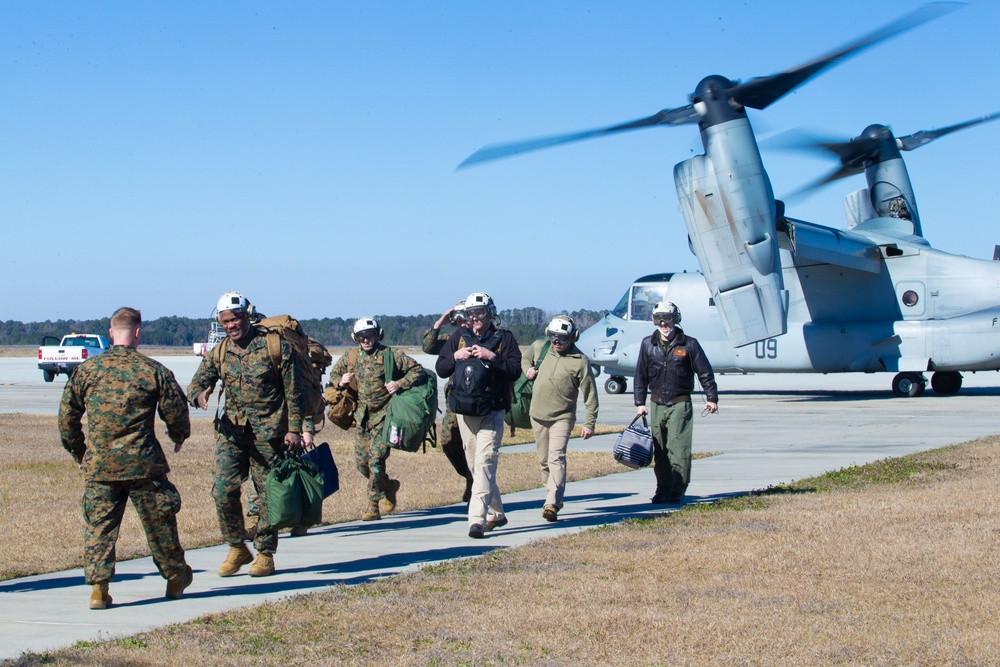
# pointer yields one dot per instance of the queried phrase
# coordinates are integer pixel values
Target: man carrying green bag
(294, 494)
(409, 417)
(559, 379)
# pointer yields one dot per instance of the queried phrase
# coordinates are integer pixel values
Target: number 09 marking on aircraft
(766, 349)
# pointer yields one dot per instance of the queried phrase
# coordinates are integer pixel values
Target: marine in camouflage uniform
(370, 448)
(120, 391)
(263, 405)
(451, 438)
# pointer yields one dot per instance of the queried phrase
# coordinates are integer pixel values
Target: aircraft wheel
(48, 376)
(946, 382)
(908, 385)
(615, 385)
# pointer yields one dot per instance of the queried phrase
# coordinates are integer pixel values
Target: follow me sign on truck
(72, 351)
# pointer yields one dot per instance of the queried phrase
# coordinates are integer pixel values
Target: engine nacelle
(728, 205)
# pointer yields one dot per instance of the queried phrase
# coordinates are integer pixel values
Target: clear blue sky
(159, 154)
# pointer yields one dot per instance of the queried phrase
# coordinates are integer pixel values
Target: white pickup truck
(55, 356)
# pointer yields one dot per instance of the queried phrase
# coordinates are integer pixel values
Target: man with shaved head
(121, 392)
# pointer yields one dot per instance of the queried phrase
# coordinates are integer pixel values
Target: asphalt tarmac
(770, 429)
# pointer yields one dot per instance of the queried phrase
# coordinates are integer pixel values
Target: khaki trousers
(481, 438)
(552, 439)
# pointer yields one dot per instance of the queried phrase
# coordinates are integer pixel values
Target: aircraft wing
(851, 250)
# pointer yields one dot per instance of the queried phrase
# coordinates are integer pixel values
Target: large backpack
(409, 418)
(473, 385)
(343, 401)
(518, 417)
(312, 359)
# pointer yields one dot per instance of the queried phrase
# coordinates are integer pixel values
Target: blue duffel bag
(634, 447)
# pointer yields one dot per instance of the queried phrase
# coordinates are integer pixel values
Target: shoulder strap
(352, 359)
(219, 352)
(541, 355)
(390, 364)
(274, 351)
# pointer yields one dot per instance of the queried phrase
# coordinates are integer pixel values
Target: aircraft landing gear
(946, 382)
(908, 385)
(615, 384)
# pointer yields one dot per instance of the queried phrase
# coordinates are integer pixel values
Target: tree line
(525, 323)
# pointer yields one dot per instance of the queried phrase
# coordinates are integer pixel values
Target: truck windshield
(80, 342)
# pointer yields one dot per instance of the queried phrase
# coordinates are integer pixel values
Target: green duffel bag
(294, 494)
(520, 401)
(410, 415)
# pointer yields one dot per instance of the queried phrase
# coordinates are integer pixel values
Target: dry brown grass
(41, 488)
(901, 573)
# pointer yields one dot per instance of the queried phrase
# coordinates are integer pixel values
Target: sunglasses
(559, 339)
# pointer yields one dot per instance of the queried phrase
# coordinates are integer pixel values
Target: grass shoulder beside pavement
(41, 489)
(891, 563)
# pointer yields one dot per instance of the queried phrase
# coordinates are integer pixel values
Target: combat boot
(372, 513)
(177, 583)
(263, 566)
(391, 489)
(238, 556)
(99, 598)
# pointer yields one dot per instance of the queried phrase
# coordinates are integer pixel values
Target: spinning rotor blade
(679, 116)
(757, 93)
(855, 154)
(835, 175)
(924, 137)
(761, 92)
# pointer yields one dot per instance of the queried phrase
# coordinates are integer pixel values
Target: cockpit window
(621, 310)
(644, 297)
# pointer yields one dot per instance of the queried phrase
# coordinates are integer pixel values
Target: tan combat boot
(99, 598)
(391, 489)
(238, 556)
(372, 513)
(263, 566)
(177, 583)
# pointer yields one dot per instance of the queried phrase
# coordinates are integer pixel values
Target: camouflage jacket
(433, 341)
(120, 390)
(369, 373)
(267, 399)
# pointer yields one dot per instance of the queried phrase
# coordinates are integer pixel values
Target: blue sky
(159, 154)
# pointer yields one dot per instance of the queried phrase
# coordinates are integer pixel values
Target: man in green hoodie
(559, 371)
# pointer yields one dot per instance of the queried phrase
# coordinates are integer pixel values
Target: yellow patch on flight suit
(680, 352)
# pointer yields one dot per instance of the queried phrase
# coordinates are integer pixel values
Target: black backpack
(474, 386)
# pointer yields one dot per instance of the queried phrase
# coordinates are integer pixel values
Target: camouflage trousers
(236, 456)
(370, 453)
(157, 503)
(451, 445)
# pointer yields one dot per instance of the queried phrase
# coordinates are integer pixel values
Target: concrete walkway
(761, 438)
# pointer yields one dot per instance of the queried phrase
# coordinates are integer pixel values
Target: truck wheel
(48, 376)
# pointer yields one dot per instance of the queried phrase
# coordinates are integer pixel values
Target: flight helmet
(365, 324)
(665, 310)
(233, 301)
(480, 300)
(458, 314)
(563, 325)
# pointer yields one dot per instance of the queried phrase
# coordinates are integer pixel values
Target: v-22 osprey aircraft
(777, 294)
